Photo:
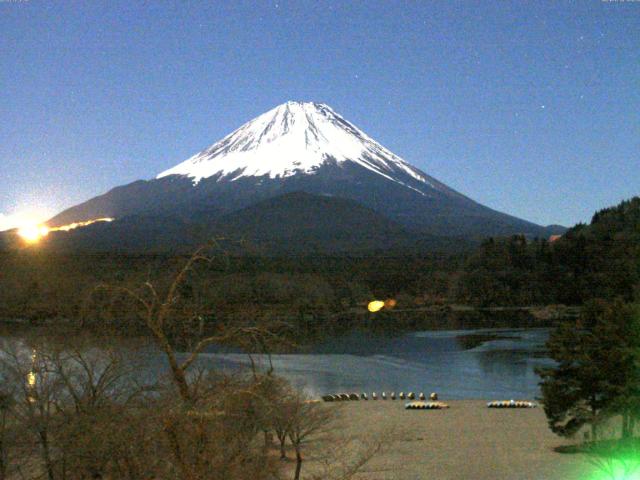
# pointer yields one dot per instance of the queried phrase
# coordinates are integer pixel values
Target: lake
(456, 364)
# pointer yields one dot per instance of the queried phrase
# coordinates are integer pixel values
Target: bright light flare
(34, 233)
(375, 306)
(617, 469)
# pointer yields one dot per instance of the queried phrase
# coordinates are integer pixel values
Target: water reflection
(419, 361)
(502, 365)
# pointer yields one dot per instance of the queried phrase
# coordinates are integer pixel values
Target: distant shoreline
(539, 313)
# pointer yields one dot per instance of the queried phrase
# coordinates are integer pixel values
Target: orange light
(375, 305)
(71, 226)
(35, 233)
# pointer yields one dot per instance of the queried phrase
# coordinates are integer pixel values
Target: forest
(596, 260)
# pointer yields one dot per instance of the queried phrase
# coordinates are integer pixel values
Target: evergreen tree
(597, 374)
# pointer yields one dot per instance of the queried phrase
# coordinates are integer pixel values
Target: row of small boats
(425, 405)
(422, 404)
(374, 396)
(494, 404)
(511, 404)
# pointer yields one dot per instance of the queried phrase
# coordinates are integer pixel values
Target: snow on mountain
(295, 138)
(299, 147)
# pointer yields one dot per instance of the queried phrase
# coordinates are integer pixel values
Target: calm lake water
(458, 364)
(428, 361)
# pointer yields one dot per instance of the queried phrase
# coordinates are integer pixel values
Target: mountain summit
(301, 147)
(296, 138)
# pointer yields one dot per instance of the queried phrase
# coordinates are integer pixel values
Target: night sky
(532, 108)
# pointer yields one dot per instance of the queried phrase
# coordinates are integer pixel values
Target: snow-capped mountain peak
(295, 138)
(295, 148)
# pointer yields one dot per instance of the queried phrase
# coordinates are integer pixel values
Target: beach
(468, 440)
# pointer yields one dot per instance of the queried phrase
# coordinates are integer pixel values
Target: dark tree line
(600, 260)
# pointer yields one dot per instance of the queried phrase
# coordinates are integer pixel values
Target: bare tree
(6, 403)
(342, 458)
(314, 429)
(165, 314)
(71, 402)
(35, 391)
(87, 419)
(307, 421)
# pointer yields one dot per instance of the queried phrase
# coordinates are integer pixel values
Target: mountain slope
(303, 147)
(293, 223)
(299, 222)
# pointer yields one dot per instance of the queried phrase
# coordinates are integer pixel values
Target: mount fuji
(299, 147)
(296, 138)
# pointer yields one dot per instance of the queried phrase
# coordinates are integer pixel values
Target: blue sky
(532, 108)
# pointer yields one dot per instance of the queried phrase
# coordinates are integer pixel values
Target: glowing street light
(375, 305)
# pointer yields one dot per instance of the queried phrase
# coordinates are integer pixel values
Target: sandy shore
(466, 441)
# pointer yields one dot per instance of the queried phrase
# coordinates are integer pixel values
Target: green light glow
(620, 468)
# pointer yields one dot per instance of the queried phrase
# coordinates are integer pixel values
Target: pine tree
(597, 374)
